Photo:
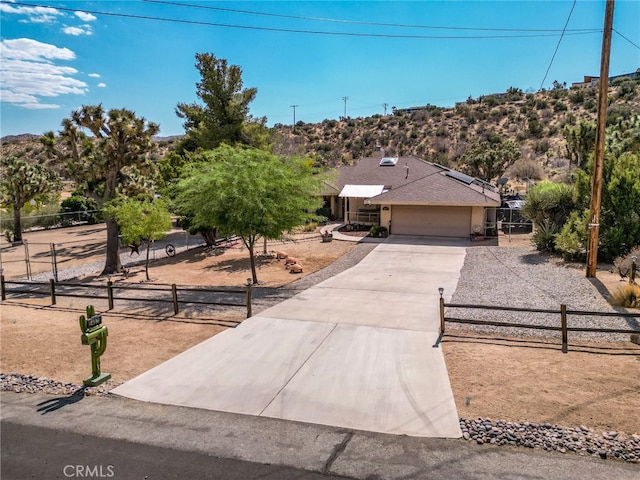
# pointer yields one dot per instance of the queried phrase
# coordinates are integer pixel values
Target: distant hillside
(533, 120)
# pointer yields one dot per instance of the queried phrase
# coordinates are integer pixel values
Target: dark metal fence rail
(563, 312)
(55, 290)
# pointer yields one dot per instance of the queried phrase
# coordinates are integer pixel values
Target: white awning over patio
(361, 191)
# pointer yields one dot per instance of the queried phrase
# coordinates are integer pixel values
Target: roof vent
(389, 162)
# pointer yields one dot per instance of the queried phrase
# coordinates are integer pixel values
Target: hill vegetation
(536, 122)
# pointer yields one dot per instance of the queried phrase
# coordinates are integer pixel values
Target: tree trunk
(252, 260)
(146, 265)
(17, 225)
(112, 264)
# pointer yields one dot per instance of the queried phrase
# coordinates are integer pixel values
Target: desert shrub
(571, 242)
(544, 238)
(527, 169)
(541, 146)
(627, 296)
(84, 207)
(576, 96)
(623, 263)
(310, 227)
(378, 231)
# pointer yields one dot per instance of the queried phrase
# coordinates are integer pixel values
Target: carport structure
(355, 351)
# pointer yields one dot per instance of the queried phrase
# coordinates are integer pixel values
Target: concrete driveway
(354, 351)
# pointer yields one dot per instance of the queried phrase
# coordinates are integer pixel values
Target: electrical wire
(313, 32)
(558, 45)
(615, 31)
(357, 22)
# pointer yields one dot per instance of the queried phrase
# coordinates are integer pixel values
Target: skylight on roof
(389, 162)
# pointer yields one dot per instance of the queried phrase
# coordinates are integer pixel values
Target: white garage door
(435, 221)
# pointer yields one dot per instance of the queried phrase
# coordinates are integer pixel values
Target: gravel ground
(520, 277)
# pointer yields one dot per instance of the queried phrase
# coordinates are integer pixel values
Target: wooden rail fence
(562, 312)
(54, 289)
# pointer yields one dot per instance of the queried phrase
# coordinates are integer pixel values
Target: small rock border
(20, 383)
(581, 440)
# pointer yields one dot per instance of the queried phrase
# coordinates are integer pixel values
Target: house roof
(415, 181)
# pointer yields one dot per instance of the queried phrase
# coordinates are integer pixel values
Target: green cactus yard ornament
(94, 334)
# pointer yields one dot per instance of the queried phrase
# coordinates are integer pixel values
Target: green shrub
(378, 231)
(544, 237)
(571, 242)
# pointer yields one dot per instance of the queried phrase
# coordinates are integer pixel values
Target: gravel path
(520, 277)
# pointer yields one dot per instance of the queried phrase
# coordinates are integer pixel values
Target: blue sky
(64, 54)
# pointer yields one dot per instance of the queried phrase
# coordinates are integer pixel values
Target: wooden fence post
(2, 288)
(52, 289)
(441, 315)
(248, 300)
(110, 294)
(563, 318)
(174, 296)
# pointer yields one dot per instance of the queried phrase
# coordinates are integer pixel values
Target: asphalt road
(41, 435)
(30, 452)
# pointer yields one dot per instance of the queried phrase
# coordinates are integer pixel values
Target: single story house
(411, 196)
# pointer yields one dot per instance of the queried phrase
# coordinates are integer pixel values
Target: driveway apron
(355, 351)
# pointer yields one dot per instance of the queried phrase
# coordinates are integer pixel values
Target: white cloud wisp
(29, 72)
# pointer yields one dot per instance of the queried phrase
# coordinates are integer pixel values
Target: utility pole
(294, 117)
(344, 99)
(598, 166)
(384, 105)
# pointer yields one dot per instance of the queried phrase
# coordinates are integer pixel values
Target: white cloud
(29, 72)
(85, 17)
(94, 75)
(102, 85)
(29, 49)
(77, 31)
(33, 14)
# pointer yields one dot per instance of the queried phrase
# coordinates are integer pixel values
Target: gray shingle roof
(416, 181)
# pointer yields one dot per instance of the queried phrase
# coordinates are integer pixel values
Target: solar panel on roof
(460, 177)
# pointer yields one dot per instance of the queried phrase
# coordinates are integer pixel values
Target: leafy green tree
(489, 159)
(141, 221)
(250, 193)
(223, 116)
(113, 160)
(619, 211)
(22, 182)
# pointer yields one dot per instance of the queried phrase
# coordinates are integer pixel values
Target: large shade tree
(250, 193)
(22, 181)
(106, 153)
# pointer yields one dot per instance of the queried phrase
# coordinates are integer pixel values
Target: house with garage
(410, 196)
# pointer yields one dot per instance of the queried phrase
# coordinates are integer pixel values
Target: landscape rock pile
(581, 440)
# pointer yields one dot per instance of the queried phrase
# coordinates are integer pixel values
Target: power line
(358, 22)
(558, 45)
(311, 32)
(638, 47)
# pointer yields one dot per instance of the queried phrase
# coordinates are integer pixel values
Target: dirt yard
(519, 379)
